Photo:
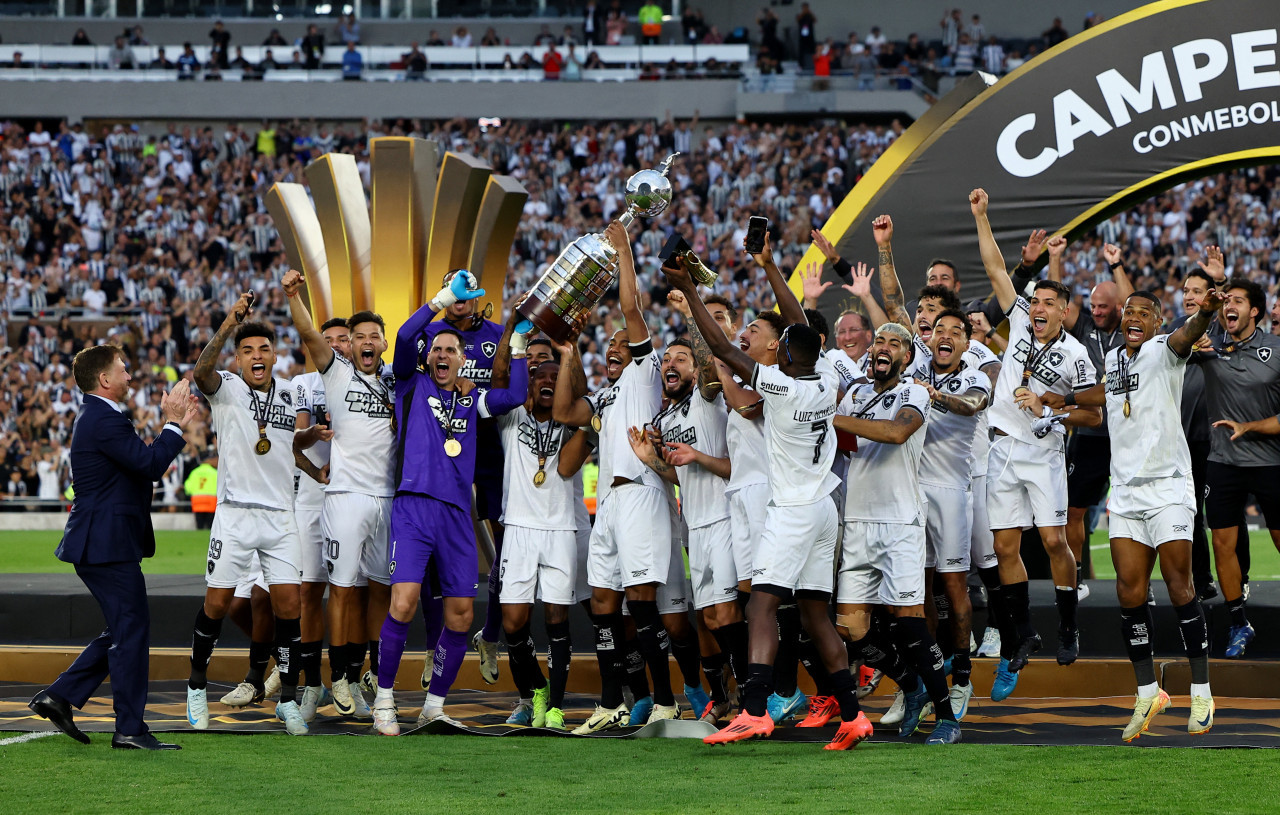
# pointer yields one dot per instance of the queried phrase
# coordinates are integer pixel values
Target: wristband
(1070, 399)
(519, 344)
(991, 332)
(443, 299)
(1116, 265)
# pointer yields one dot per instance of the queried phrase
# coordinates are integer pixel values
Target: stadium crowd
(146, 240)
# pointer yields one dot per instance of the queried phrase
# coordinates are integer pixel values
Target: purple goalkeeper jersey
(423, 409)
(479, 343)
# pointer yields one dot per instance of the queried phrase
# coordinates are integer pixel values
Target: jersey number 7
(821, 429)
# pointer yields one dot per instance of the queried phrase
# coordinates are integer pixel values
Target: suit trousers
(122, 650)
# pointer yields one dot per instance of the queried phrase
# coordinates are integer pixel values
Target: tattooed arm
(643, 446)
(703, 359)
(882, 229)
(206, 373)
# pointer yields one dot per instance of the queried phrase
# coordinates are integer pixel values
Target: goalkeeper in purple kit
(431, 513)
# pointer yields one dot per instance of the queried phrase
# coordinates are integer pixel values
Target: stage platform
(1239, 722)
(38, 609)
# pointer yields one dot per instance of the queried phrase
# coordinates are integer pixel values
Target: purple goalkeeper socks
(433, 616)
(390, 649)
(450, 653)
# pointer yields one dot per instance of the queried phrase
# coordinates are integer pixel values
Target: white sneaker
(368, 685)
(1082, 591)
(427, 668)
(436, 714)
(990, 646)
(604, 718)
(310, 701)
(342, 701)
(973, 643)
(242, 695)
(384, 719)
(271, 688)
(661, 712)
(488, 652)
(896, 712)
(198, 708)
(291, 714)
(960, 695)
(360, 707)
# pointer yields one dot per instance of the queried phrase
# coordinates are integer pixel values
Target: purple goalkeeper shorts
(423, 529)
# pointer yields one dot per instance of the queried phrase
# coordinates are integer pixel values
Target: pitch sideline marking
(27, 737)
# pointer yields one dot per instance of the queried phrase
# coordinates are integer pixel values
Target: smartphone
(757, 227)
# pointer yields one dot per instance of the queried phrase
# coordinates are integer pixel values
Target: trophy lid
(648, 192)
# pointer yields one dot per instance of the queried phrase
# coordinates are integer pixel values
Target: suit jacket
(114, 472)
(597, 16)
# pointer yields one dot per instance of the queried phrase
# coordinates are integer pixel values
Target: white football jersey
(1062, 367)
(308, 389)
(884, 479)
(632, 401)
(849, 370)
(244, 477)
(949, 445)
(745, 440)
(701, 425)
(363, 454)
(799, 440)
(1149, 443)
(550, 506)
(978, 357)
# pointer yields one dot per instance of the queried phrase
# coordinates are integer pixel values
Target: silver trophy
(563, 298)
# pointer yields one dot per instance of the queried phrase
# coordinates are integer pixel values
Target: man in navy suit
(108, 534)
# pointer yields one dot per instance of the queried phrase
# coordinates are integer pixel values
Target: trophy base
(540, 314)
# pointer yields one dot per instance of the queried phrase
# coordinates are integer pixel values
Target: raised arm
(882, 230)
(1115, 262)
(1057, 248)
(319, 351)
(462, 286)
(628, 293)
(205, 373)
(406, 357)
(730, 354)
(708, 375)
(504, 400)
(501, 376)
(861, 289)
(811, 285)
(1183, 340)
(788, 306)
(992, 260)
(568, 407)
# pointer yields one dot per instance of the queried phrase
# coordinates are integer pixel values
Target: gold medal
(452, 448)
(595, 422)
(263, 446)
(539, 478)
(1020, 391)
(1126, 408)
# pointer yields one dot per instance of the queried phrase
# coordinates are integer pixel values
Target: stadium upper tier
(379, 61)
